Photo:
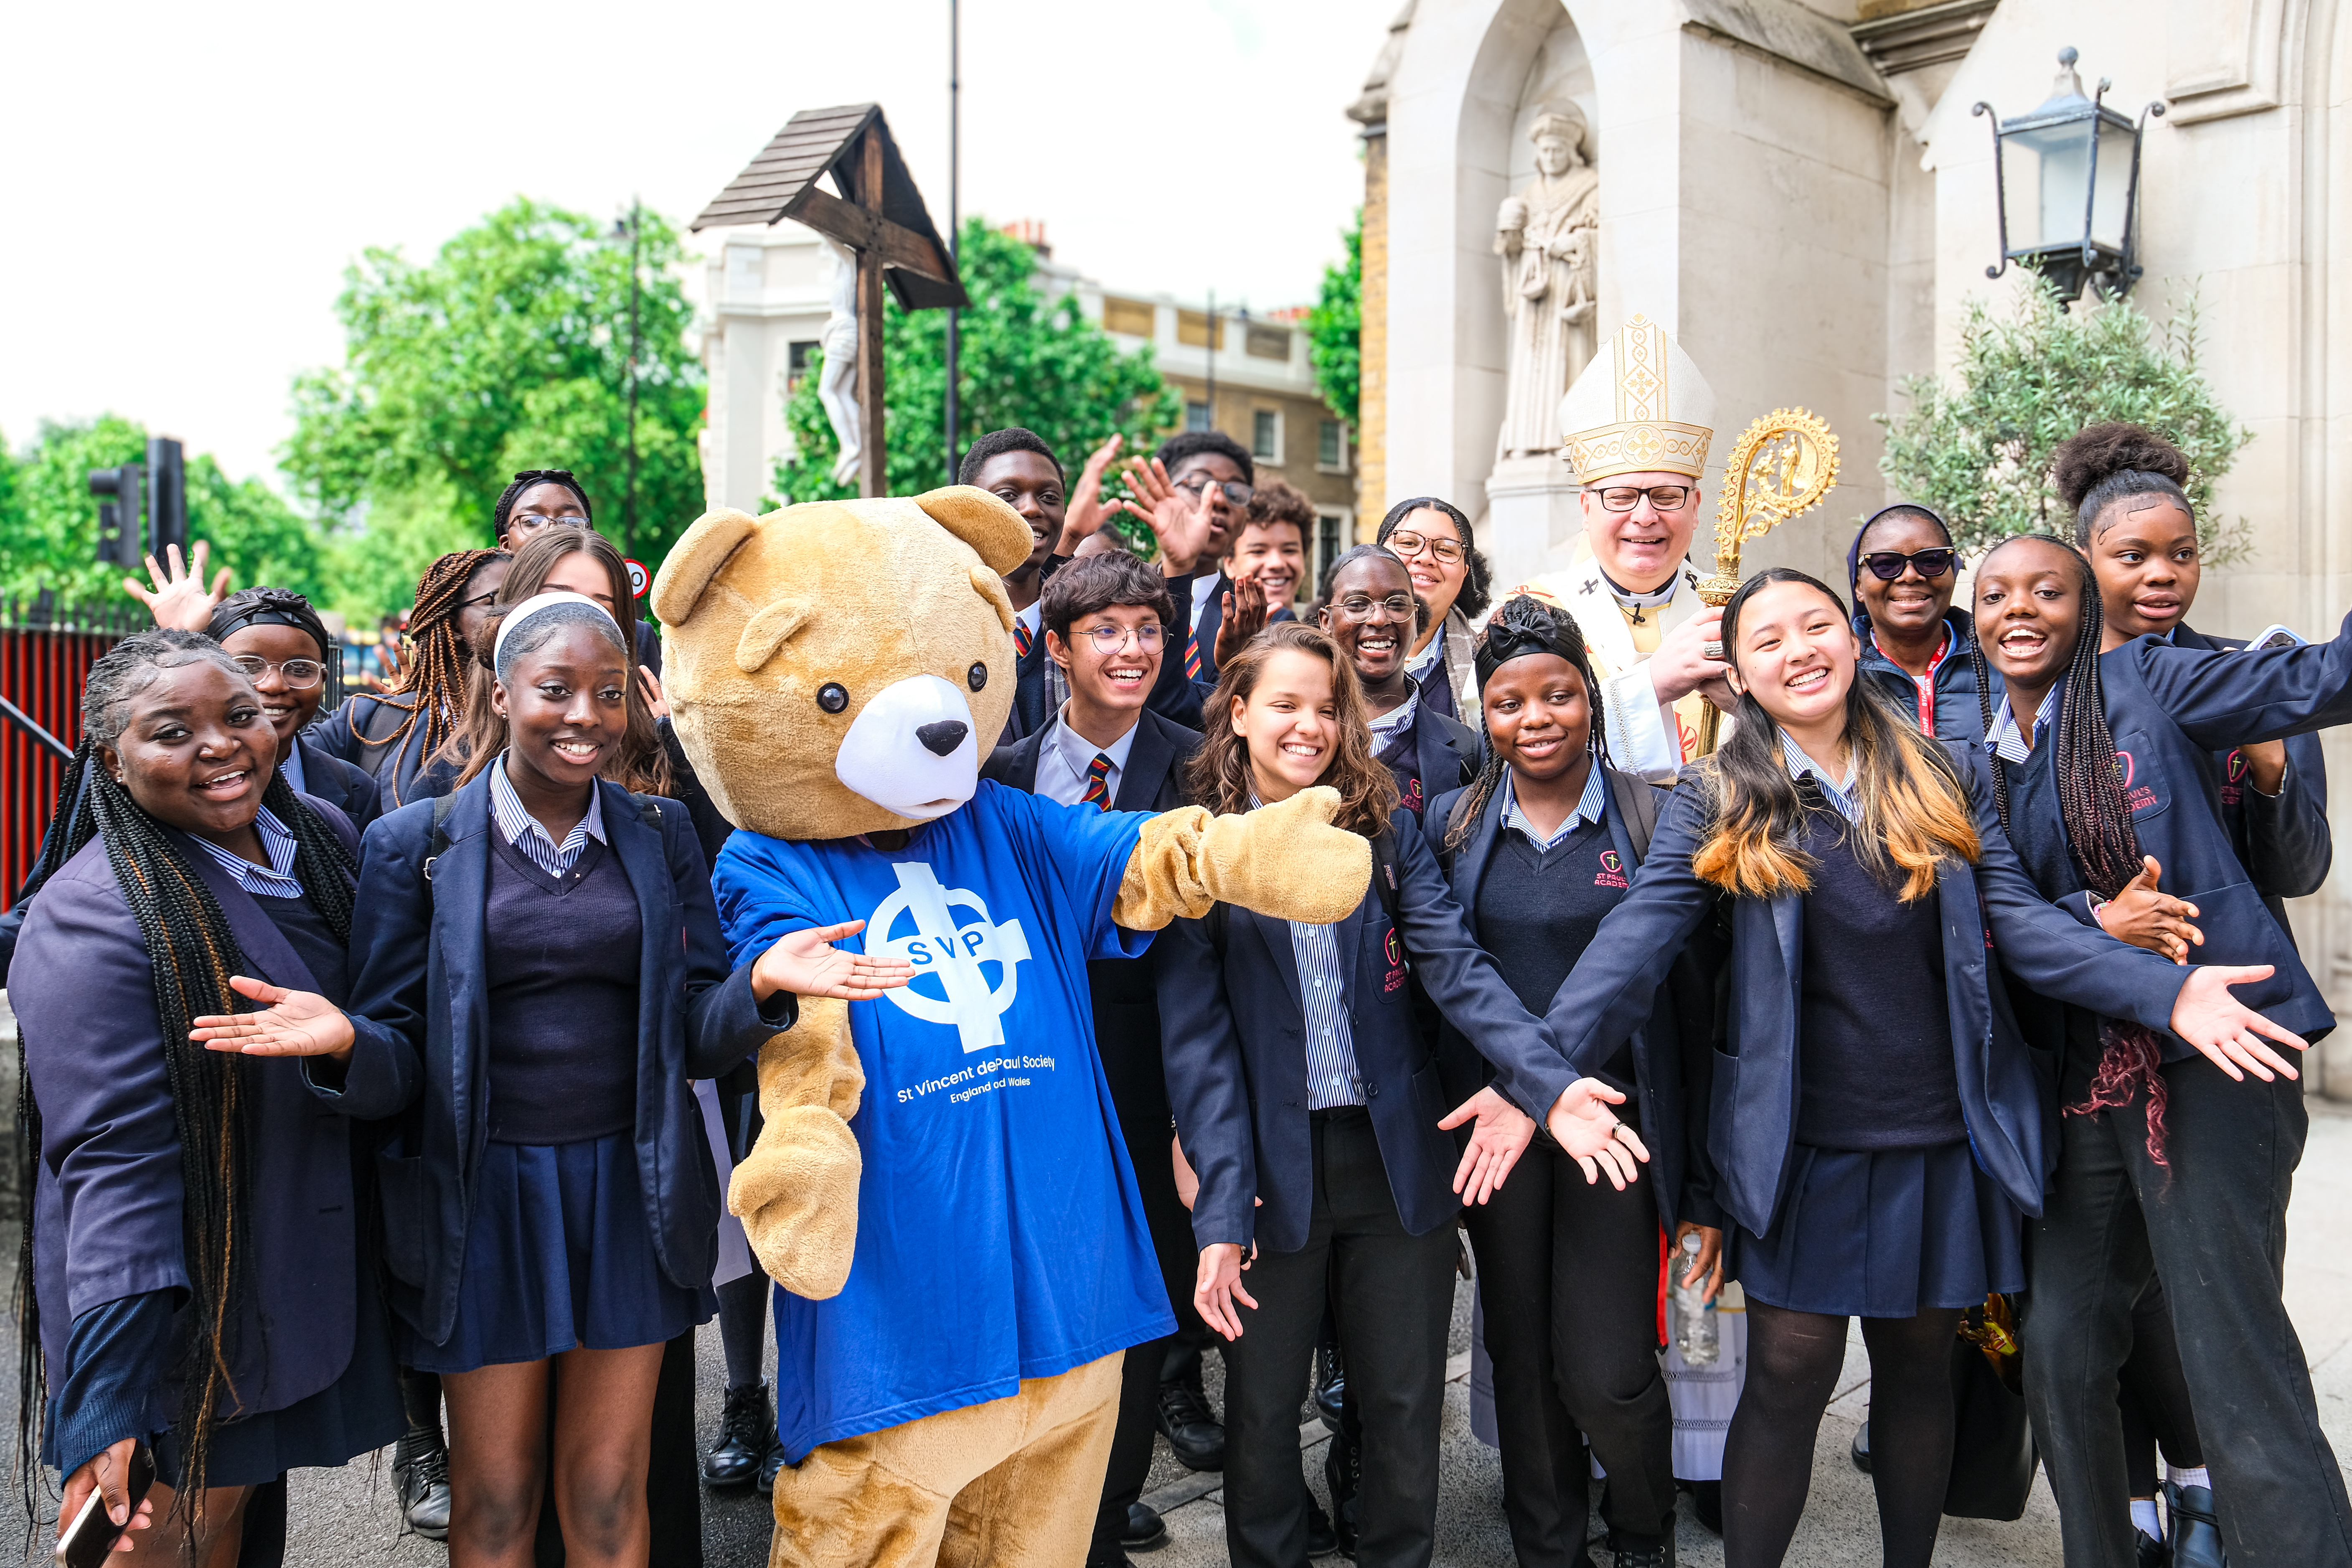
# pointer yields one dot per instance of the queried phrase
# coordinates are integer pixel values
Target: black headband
(225, 627)
(1506, 641)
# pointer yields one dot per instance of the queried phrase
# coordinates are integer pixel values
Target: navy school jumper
(423, 991)
(1235, 1032)
(1752, 1116)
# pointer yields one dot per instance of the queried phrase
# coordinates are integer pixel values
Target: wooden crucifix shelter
(883, 222)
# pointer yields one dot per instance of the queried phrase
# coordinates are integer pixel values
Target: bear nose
(943, 737)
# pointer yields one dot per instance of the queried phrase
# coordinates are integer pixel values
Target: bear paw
(797, 1198)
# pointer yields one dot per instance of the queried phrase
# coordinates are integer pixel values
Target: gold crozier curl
(1782, 465)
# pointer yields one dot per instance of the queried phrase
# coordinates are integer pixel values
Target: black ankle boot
(746, 1430)
(420, 1479)
(2196, 1534)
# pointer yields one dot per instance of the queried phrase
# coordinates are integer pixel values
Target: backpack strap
(1639, 803)
(439, 842)
(1384, 884)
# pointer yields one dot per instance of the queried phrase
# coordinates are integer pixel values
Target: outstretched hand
(1500, 1132)
(1582, 1123)
(806, 963)
(294, 1024)
(2146, 918)
(1180, 522)
(179, 597)
(2228, 1032)
(1084, 513)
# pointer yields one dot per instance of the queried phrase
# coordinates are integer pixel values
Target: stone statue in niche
(1548, 238)
(837, 386)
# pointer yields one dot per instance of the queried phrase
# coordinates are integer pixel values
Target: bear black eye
(833, 697)
(977, 674)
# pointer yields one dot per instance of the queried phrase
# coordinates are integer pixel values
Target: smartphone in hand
(92, 1540)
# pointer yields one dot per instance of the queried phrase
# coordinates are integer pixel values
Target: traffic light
(122, 522)
(167, 497)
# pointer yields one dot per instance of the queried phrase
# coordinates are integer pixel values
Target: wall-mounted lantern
(2067, 183)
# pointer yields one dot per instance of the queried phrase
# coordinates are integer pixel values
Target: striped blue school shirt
(1332, 1078)
(1588, 807)
(275, 880)
(1839, 793)
(522, 830)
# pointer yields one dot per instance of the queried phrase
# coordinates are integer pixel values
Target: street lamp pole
(954, 219)
(629, 510)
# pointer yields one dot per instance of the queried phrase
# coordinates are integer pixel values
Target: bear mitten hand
(1285, 860)
(796, 1191)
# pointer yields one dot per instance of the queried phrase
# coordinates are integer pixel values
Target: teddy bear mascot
(949, 1368)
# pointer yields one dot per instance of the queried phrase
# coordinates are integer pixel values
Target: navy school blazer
(1674, 1055)
(1446, 753)
(1234, 1030)
(2175, 712)
(351, 790)
(1752, 1114)
(2283, 840)
(423, 993)
(107, 1203)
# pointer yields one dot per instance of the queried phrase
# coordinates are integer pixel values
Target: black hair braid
(1984, 708)
(435, 676)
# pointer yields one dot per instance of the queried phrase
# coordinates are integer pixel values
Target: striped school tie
(1021, 640)
(1098, 782)
(1193, 656)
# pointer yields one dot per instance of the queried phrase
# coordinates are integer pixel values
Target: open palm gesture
(294, 1024)
(806, 963)
(179, 597)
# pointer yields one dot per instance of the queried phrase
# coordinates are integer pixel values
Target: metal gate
(46, 652)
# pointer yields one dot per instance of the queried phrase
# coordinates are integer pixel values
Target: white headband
(532, 607)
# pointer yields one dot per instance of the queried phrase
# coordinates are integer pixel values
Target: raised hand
(806, 963)
(2226, 1031)
(179, 597)
(1500, 1134)
(2144, 916)
(1582, 1123)
(1245, 617)
(1682, 663)
(1085, 514)
(1181, 522)
(294, 1024)
(649, 687)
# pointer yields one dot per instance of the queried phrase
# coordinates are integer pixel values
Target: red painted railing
(46, 652)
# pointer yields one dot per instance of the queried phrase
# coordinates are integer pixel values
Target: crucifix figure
(878, 218)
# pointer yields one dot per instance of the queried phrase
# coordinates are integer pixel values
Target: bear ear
(983, 521)
(694, 561)
(992, 588)
(764, 633)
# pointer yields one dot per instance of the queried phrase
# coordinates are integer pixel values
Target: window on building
(1136, 318)
(1266, 343)
(1331, 446)
(799, 357)
(1196, 415)
(1330, 532)
(1192, 329)
(1266, 436)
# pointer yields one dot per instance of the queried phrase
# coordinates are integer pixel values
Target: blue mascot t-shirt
(999, 1232)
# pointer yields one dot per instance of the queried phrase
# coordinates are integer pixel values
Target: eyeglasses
(1887, 564)
(1448, 551)
(1625, 498)
(301, 674)
(1236, 492)
(531, 521)
(1359, 606)
(1108, 640)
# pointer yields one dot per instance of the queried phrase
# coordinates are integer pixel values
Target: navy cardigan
(1235, 1032)
(423, 993)
(1752, 1117)
(107, 1202)
(1674, 1056)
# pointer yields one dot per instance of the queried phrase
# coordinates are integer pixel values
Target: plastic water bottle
(1696, 1339)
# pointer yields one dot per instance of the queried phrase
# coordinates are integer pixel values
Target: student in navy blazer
(137, 1242)
(2171, 1168)
(1877, 1124)
(544, 950)
(1538, 850)
(1312, 1107)
(1106, 748)
(1369, 610)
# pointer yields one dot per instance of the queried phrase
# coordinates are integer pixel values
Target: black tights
(1793, 1360)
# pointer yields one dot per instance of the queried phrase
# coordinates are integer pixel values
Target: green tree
(508, 351)
(1978, 447)
(1335, 326)
(1021, 360)
(49, 519)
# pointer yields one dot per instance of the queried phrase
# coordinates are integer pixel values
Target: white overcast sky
(183, 185)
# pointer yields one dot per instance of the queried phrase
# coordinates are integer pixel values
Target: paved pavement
(345, 1517)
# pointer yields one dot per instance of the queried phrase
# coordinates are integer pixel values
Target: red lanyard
(1925, 683)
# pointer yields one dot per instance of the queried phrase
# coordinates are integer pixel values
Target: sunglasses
(1887, 564)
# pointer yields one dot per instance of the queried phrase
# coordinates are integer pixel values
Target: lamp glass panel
(2045, 175)
(2113, 199)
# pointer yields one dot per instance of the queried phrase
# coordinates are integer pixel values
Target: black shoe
(420, 1479)
(1330, 1386)
(2196, 1535)
(1113, 1558)
(2153, 1553)
(1860, 1449)
(1659, 1553)
(746, 1430)
(1145, 1530)
(1343, 1472)
(1322, 1540)
(769, 1468)
(1190, 1428)
(1706, 1504)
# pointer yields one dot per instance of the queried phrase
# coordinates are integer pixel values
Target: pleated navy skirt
(1884, 1233)
(559, 1256)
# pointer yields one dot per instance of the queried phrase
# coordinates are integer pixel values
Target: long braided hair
(193, 951)
(1523, 625)
(433, 677)
(2097, 814)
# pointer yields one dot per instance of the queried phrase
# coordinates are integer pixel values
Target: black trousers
(2213, 1225)
(1569, 1275)
(1395, 1297)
